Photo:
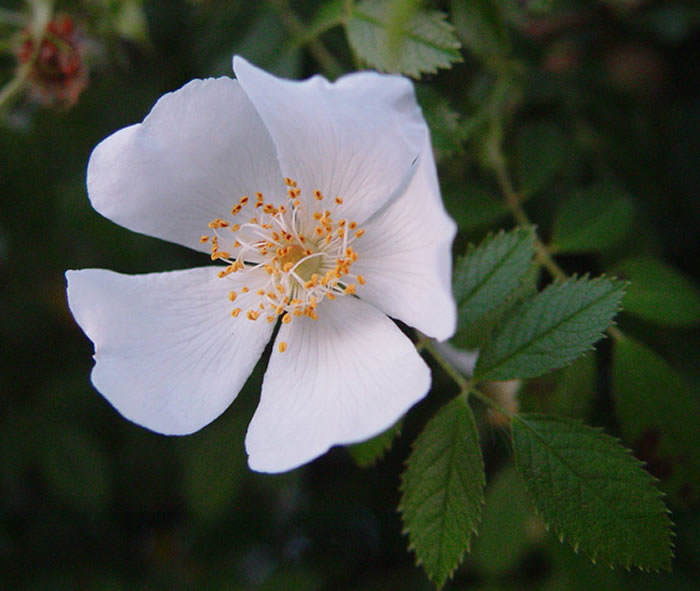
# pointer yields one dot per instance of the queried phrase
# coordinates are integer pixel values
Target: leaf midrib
(450, 51)
(542, 336)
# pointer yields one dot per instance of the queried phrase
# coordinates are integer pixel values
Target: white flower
(320, 205)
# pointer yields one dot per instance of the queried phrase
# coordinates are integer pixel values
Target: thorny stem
(316, 47)
(542, 253)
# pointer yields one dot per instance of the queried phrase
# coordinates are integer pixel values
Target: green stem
(317, 49)
(543, 254)
(427, 344)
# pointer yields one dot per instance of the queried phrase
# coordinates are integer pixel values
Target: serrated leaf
(593, 492)
(541, 153)
(659, 417)
(427, 41)
(593, 218)
(442, 490)
(551, 329)
(659, 293)
(487, 274)
(369, 452)
(481, 27)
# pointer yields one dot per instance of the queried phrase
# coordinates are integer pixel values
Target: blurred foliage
(595, 109)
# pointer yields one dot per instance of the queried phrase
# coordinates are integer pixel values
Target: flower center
(307, 258)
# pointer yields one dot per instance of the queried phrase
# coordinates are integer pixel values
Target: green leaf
(593, 492)
(427, 41)
(369, 452)
(442, 490)
(594, 218)
(213, 463)
(541, 150)
(502, 540)
(659, 293)
(659, 417)
(551, 329)
(489, 273)
(477, 335)
(480, 26)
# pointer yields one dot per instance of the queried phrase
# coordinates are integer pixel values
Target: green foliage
(541, 149)
(442, 490)
(369, 452)
(489, 273)
(659, 416)
(551, 329)
(575, 388)
(426, 42)
(503, 535)
(481, 27)
(443, 120)
(659, 293)
(593, 492)
(594, 218)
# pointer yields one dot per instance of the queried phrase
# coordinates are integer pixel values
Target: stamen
(303, 264)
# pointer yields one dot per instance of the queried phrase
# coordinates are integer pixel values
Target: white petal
(405, 256)
(356, 139)
(344, 378)
(168, 354)
(197, 152)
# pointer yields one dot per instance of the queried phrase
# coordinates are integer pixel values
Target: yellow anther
(350, 289)
(204, 239)
(353, 225)
(317, 215)
(359, 233)
(252, 314)
(244, 289)
(235, 312)
(243, 200)
(282, 347)
(235, 227)
(261, 292)
(236, 209)
(270, 318)
(286, 319)
(330, 296)
(338, 200)
(318, 195)
(253, 220)
(360, 279)
(232, 295)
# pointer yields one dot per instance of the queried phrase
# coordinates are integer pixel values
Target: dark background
(91, 501)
